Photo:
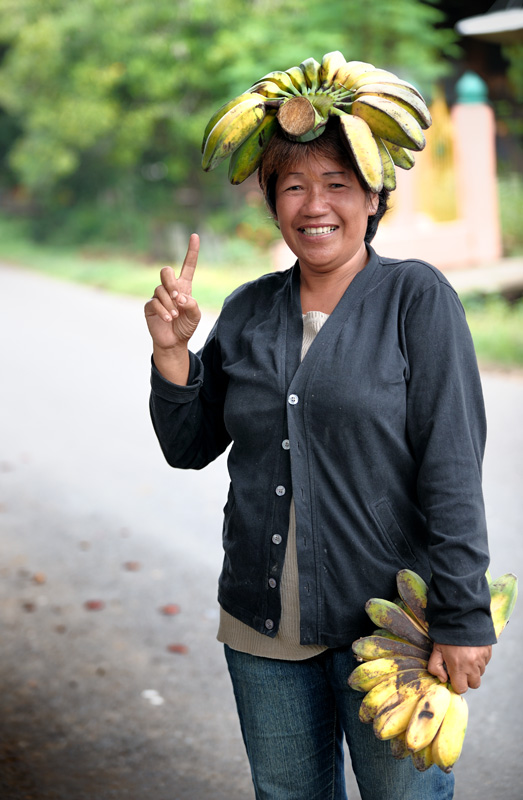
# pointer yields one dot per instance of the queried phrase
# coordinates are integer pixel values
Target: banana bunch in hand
(381, 117)
(421, 717)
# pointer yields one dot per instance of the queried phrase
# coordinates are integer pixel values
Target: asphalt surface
(103, 694)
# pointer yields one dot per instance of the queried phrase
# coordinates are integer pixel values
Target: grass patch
(497, 329)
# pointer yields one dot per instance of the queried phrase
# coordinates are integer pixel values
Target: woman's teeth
(318, 231)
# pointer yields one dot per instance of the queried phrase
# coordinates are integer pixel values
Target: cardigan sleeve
(188, 420)
(447, 431)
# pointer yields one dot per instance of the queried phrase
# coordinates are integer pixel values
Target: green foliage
(510, 192)
(103, 102)
(497, 329)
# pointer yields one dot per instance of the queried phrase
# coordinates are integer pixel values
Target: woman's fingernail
(175, 293)
(182, 299)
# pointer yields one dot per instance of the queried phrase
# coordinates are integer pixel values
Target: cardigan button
(276, 538)
(293, 399)
(280, 491)
(272, 583)
(286, 444)
(269, 624)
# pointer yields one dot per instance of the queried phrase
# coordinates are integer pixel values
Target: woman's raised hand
(172, 313)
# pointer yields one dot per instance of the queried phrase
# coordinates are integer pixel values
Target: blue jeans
(293, 715)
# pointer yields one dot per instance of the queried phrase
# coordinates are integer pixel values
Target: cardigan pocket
(392, 533)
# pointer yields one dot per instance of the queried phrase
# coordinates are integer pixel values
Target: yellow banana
(427, 717)
(448, 742)
(402, 158)
(282, 79)
(422, 760)
(231, 130)
(503, 596)
(348, 74)
(411, 587)
(402, 96)
(311, 69)
(382, 76)
(247, 158)
(391, 617)
(361, 143)
(224, 109)
(270, 90)
(389, 171)
(398, 748)
(330, 64)
(367, 675)
(298, 78)
(390, 121)
(394, 715)
(371, 647)
(379, 696)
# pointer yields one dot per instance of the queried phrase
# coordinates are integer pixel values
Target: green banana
(411, 587)
(391, 617)
(390, 121)
(503, 596)
(427, 717)
(298, 78)
(247, 158)
(402, 158)
(367, 675)
(389, 170)
(270, 90)
(393, 716)
(330, 64)
(347, 75)
(402, 97)
(225, 108)
(371, 647)
(360, 141)
(231, 130)
(311, 69)
(448, 742)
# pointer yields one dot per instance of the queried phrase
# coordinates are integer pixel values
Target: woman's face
(322, 212)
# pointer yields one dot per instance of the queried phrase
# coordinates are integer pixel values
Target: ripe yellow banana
(448, 742)
(402, 97)
(398, 748)
(382, 76)
(330, 64)
(422, 760)
(389, 170)
(247, 158)
(389, 121)
(298, 78)
(311, 69)
(361, 143)
(231, 130)
(225, 108)
(393, 716)
(503, 596)
(379, 696)
(269, 90)
(391, 617)
(281, 79)
(347, 75)
(427, 717)
(367, 675)
(402, 158)
(411, 587)
(371, 647)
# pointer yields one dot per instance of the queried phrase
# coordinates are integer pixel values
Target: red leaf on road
(170, 609)
(178, 648)
(94, 605)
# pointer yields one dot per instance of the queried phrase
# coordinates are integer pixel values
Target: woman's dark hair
(282, 152)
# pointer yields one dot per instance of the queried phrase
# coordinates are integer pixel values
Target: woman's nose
(315, 201)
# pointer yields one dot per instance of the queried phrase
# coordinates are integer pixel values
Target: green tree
(103, 102)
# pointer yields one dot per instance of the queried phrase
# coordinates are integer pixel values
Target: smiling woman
(334, 383)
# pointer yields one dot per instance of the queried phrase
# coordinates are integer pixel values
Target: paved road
(94, 705)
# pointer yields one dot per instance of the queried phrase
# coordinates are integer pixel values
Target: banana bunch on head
(421, 717)
(381, 118)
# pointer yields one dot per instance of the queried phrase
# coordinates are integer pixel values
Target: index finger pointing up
(191, 258)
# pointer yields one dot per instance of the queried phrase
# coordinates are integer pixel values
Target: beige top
(286, 644)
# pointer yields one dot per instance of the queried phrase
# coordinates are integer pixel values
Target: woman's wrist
(172, 362)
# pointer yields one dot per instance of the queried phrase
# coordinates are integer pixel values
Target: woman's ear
(373, 203)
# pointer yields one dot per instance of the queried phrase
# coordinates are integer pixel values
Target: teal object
(471, 89)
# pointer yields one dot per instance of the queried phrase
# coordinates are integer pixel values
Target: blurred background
(111, 682)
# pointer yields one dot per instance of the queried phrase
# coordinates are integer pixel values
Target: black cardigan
(378, 434)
